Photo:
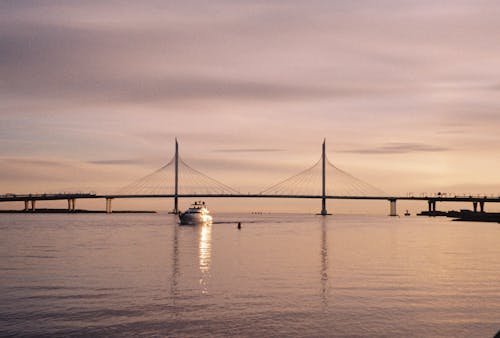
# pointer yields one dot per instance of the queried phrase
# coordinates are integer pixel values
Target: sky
(406, 93)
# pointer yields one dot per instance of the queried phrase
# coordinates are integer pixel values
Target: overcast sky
(407, 93)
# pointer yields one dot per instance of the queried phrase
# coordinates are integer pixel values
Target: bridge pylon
(324, 212)
(176, 165)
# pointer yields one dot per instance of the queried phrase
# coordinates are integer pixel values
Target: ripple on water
(280, 275)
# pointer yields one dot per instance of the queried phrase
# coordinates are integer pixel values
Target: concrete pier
(324, 212)
(393, 208)
(71, 204)
(432, 206)
(109, 205)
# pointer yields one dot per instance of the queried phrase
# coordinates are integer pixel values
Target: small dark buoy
(239, 225)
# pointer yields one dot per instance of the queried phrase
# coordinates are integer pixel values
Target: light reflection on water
(204, 255)
(324, 263)
(281, 275)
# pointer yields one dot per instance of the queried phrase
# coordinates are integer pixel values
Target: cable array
(309, 182)
(162, 182)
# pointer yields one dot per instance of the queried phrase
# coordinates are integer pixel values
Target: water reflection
(175, 263)
(194, 244)
(324, 263)
(204, 254)
(175, 271)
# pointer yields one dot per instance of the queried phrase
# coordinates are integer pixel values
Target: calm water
(281, 275)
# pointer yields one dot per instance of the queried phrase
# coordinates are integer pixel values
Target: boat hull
(194, 219)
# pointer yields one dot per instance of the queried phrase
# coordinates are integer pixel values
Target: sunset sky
(406, 93)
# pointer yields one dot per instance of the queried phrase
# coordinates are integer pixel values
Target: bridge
(322, 181)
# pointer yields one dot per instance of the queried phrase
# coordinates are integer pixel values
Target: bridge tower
(323, 181)
(176, 193)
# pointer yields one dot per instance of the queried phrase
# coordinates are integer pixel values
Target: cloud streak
(399, 148)
(181, 55)
(248, 150)
(107, 88)
(119, 162)
(32, 162)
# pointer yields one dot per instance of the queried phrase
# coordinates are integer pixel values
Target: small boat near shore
(407, 213)
(196, 214)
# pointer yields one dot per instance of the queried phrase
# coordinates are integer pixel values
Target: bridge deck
(53, 197)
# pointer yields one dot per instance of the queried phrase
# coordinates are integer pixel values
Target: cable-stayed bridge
(177, 179)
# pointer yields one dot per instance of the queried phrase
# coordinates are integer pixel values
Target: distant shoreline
(77, 211)
(464, 215)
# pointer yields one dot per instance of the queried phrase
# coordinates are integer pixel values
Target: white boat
(196, 214)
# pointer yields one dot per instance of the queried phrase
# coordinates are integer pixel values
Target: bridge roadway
(385, 198)
(72, 197)
(63, 196)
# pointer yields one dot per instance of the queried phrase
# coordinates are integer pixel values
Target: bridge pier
(71, 204)
(474, 205)
(393, 209)
(176, 205)
(481, 206)
(324, 212)
(26, 205)
(432, 207)
(109, 206)
(33, 205)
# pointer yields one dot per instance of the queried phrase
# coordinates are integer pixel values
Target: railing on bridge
(62, 195)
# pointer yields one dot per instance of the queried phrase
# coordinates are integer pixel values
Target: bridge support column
(109, 206)
(432, 207)
(324, 212)
(176, 205)
(393, 211)
(474, 204)
(481, 206)
(71, 204)
(26, 205)
(33, 205)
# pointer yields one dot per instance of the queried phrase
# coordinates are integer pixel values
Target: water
(280, 275)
